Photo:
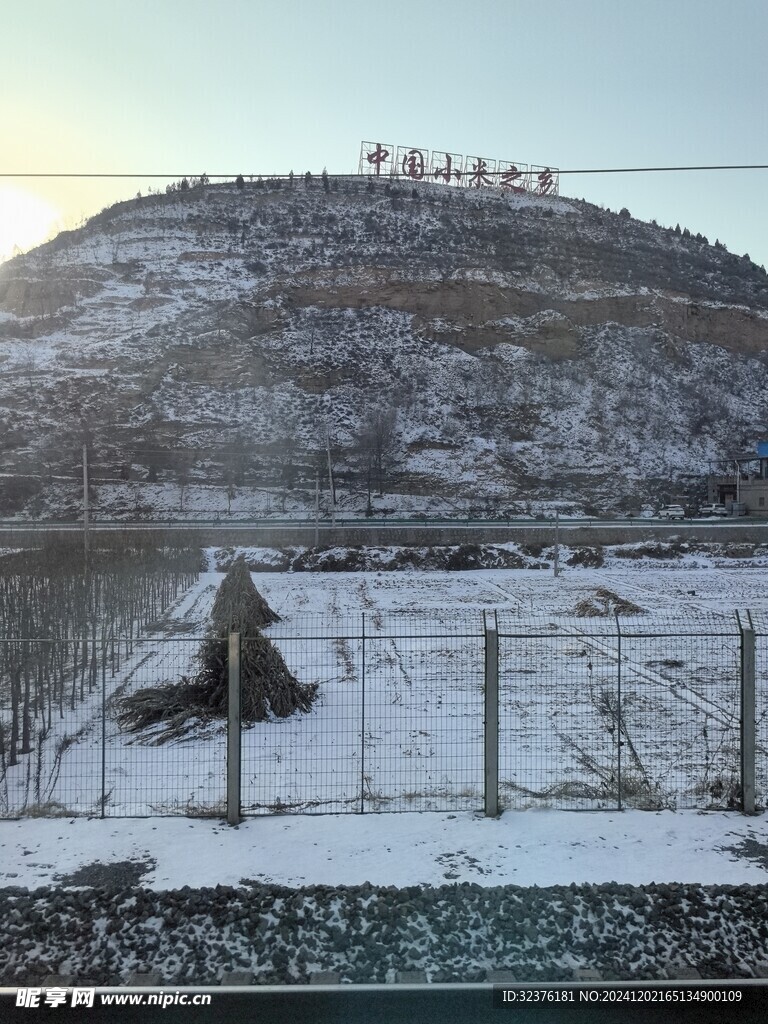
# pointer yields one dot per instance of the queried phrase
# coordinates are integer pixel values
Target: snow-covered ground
(502, 398)
(422, 749)
(522, 848)
(635, 894)
(398, 724)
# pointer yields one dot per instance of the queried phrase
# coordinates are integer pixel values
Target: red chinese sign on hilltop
(414, 163)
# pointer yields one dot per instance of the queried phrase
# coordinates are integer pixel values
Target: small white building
(746, 482)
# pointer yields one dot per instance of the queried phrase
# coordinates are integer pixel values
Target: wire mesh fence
(558, 745)
(49, 701)
(397, 724)
(760, 622)
(175, 763)
(424, 715)
(680, 715)
(310, 762)
(593, 713)
(80, 757)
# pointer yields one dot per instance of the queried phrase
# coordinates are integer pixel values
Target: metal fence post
(362, 719)
(233, 731)
(619, 720)
(747, 716)
(491, 744)
(103, 731)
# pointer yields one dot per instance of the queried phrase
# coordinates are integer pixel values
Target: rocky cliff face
(468, 349)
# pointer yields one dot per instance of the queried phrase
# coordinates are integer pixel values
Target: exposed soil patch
(118, 875)
(358, 558)
(588, 558)
(751, 849)
(605, 603)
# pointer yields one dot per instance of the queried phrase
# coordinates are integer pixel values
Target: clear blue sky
(258, 86)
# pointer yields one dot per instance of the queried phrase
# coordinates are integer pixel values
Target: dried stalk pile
(267, 686)
(266, 683)
(239, 606)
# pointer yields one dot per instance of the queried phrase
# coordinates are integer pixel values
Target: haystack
(239, 606)
(267, 686)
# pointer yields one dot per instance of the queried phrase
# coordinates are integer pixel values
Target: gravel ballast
(453, 933)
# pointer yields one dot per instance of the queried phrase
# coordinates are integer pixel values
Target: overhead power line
(645, 170)
(560, 170)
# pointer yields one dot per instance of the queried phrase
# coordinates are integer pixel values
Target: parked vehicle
(671, 512)
(712, 510)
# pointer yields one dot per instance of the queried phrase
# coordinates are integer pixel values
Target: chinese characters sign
(34, 998)
(414, 163)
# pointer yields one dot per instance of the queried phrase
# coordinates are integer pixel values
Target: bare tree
(185, 466)
(28, 363)
(376, 444)
(283, 452)
(229, 484)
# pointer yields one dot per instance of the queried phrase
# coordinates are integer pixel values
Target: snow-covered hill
(443, 346)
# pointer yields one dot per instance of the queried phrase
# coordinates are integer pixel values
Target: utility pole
(85, 505)
(330, 478)
(556, 560)
(317, 508)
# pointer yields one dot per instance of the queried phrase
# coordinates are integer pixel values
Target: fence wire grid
(593, 713)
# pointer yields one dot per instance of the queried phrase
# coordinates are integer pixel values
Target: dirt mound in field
(604, 603)
(587, 557)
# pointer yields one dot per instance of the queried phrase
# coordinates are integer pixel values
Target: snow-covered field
(399, 661)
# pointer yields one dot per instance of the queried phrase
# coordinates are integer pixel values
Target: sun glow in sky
(26, 220)
(185, 87)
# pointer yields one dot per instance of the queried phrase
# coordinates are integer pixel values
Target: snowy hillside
(474, 348)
